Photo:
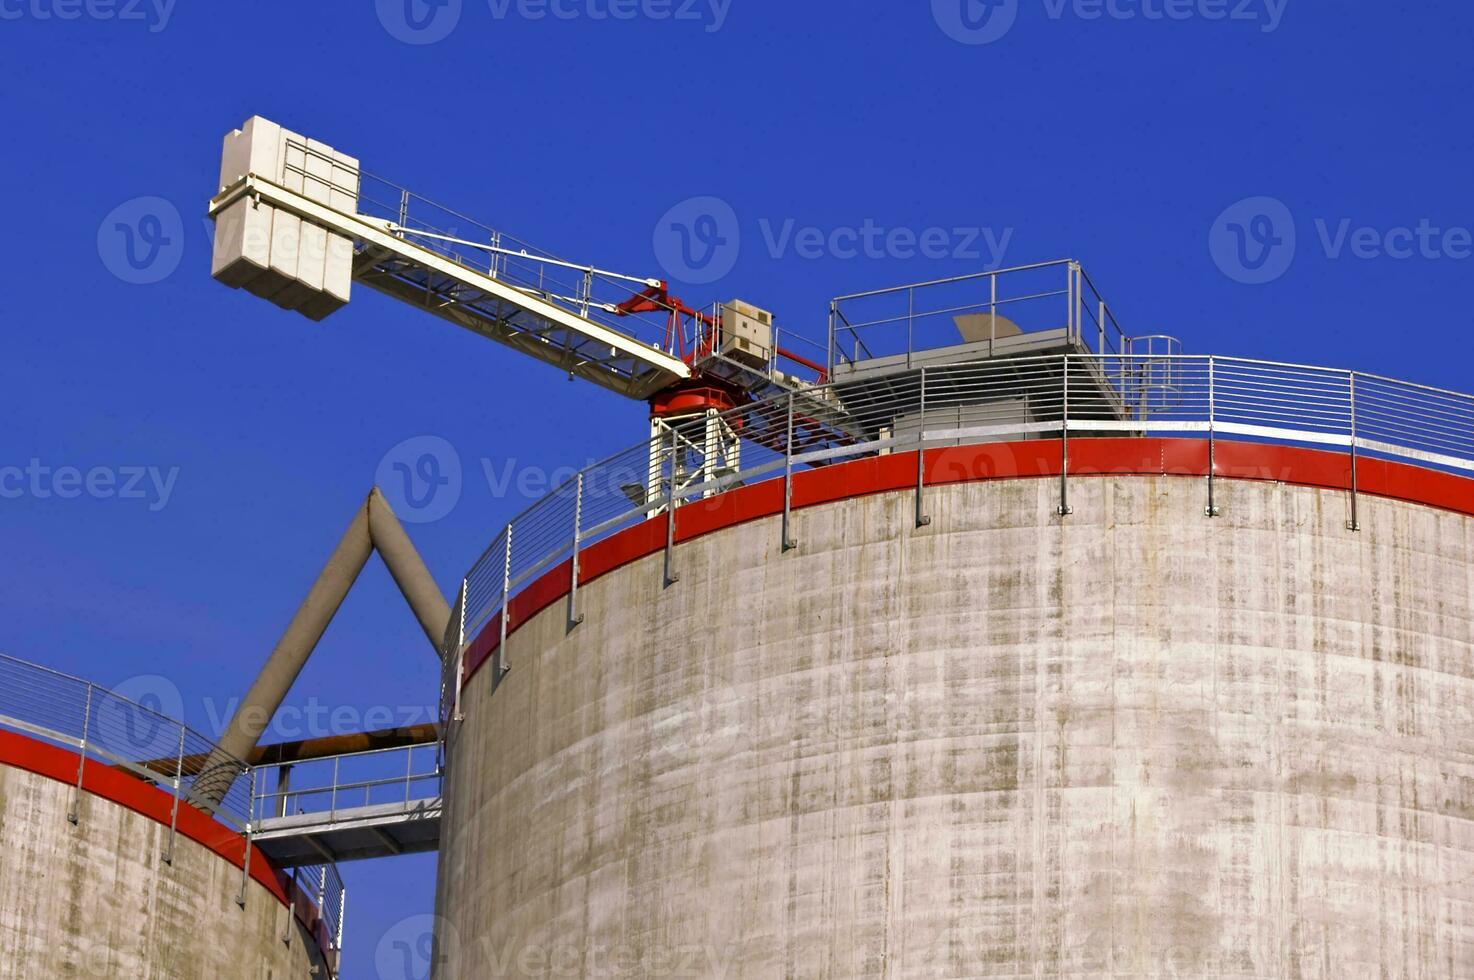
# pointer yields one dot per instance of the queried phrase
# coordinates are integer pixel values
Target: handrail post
(342, 914)
(174, 807)
(574, 616)
(250, 834)
(76, 807)
(501, 649)
(460, 657)
(789, 543)
(1072, 299)
(829, 351)
(922, 518)
(1065, 510)
(910, 323)
(992, 312)
(1212, 508)
(671, 575)
(283, 788)
(1355, 523)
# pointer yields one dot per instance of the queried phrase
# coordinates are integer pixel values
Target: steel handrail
(44, 702)
(1192, 395)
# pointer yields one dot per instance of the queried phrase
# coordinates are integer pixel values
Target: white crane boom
(289, 229)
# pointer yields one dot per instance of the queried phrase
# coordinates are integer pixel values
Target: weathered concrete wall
(96, 900)
(1133, 742)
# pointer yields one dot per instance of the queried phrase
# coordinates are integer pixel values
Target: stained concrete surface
(1133, 742)
(97, 900)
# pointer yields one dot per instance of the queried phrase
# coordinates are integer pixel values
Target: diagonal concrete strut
(373, 528)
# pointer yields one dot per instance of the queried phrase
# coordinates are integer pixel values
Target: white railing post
(76, 807)
(910, 323)
(501, 650)
(174, 807)
(829, 351)
(1212, 509)
(992, 313)
(671, 496)
(342, 914)
(574, 616)
(789, 543)
(1355, 523)
(922, 518)
(459, 663)
(250, 834)
(1064, 509)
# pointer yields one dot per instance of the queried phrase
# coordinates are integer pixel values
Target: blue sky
(1270, 178)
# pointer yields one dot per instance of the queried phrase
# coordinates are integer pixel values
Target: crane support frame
(388, 262)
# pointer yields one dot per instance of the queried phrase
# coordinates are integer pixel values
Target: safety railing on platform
(98, 724)
(1056, 396)
(592, 293)
(982, 308)
(323, 887)
(336, 785)
(104, 727)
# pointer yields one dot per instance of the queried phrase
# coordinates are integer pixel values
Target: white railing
(323, 887)
(348, 781)
(925, 316)
(1057, 396)
(102, 726)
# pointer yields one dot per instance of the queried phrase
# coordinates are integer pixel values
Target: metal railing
(590, 292)
(102, 726)
(400, 774)
(1055, 396)
(321, 885)
(925, 316)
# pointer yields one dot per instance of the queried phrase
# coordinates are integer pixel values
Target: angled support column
(374, 527)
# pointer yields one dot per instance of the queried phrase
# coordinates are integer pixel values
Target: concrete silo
(987, 640)
(1150, 666)
(111, 869)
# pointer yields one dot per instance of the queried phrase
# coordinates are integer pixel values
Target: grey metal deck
(380, 830)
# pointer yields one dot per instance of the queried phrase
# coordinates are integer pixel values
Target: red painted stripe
(54, 762)
(992, 461)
